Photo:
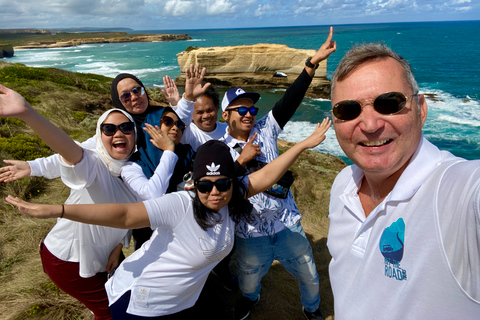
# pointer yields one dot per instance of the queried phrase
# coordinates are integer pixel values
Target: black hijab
(138, 118)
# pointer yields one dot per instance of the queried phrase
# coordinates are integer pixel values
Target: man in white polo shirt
(404, 219)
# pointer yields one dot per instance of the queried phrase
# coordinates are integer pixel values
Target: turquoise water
(444, 56)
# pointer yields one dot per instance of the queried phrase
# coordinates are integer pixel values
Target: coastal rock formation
(6, 51)
(259, 65)
(123, 38)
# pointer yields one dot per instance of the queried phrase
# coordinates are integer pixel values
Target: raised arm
(286, 107)
(171, 91)
(116, 215)
(194, 88)
(13, 105)
(264, 178)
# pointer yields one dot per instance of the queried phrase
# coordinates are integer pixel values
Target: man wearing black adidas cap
(275, 232)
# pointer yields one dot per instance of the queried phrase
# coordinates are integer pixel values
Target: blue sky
(205, 14)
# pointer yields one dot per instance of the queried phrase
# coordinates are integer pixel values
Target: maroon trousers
(89, 291)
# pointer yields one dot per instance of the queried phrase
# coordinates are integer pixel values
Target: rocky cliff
(259, 65)
(6, 51)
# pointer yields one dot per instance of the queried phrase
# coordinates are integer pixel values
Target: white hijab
(115, 166)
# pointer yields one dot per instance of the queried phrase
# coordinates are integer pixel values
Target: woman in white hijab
(76, 256)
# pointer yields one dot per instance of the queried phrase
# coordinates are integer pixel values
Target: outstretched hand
(318, 134)
(12, 104)
(194, 87)
(16, 170)
(326, 49)
(171, 91)
(158, 138)
(41, 211)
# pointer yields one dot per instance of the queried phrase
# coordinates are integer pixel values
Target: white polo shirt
(417, 255)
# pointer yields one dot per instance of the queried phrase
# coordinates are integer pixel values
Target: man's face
(205, 114)
(380, 145)
(239, 126)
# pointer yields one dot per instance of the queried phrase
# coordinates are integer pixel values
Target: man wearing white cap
(275, 232)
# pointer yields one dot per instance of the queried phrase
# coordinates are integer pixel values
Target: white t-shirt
(167, 274)
(417, 255)
(196, 137)
(90, 245)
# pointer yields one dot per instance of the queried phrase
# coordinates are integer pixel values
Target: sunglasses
(243, 110)
(387, 103)
(136, 91)
(169, 122)
(206, 186)
(110, 129)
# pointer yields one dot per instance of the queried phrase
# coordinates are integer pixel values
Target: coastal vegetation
(73, 102)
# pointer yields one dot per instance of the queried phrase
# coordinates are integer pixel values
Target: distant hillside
(57, 30)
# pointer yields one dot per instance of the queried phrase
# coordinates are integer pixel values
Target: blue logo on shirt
(391, 246)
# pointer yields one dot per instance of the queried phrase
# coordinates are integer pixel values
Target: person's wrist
(62, 211)
(188, 97)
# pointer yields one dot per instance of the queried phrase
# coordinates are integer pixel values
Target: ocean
(444, 56)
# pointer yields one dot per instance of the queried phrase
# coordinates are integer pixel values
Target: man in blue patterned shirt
(275, 233)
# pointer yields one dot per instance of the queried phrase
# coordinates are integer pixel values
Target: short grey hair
(366, 52)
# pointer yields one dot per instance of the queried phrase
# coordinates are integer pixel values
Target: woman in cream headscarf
(76, 256)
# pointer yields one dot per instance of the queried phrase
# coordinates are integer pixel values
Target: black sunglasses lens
(253, 111)
(167, 121)
(180, 125)
(223, 185)
(126, 127)
(390, 102)
(347, 110)
(204, 186)
(108, 129)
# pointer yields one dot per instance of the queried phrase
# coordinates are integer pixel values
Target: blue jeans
(292, 249)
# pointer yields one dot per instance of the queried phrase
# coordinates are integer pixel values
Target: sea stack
(259, 65)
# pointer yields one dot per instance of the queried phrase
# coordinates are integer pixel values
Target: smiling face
(205, 114)
(137, 103)
(172, 132)
(120, 145)
(215, 200)
(380, 145)
(239, 126)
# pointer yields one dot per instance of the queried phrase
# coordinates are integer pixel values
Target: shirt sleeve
(82, 174)
(169, 210)
(286, 107)
(459, 220)
(49, 167)
(156, 186)
(184, 110)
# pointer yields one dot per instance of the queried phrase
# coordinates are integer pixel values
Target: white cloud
(178, 8)
(186, 14)
(264, 10)
(218, 7)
